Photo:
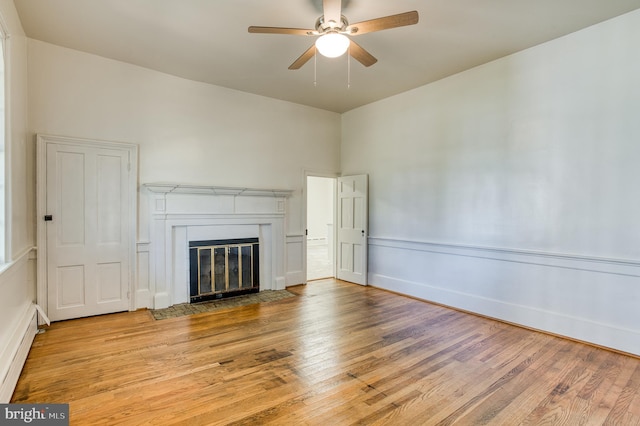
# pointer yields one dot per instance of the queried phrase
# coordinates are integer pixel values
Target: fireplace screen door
(223, 268)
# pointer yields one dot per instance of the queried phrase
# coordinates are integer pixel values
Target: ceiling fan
(333, 29)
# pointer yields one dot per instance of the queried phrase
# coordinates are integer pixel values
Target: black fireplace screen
(222, 268)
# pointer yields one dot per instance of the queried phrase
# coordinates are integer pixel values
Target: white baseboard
(280, 283)
(553, 322)
(587, 298)
(161, 300)
(15, 356)
(295, 278)
(144, 299)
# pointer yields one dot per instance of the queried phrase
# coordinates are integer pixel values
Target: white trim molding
(144, 295)
(560, 260)
(15, 355)
(177, 188)
(587, 298)
(7, 79)
(18, 317)
(295, 259)
(179, 213)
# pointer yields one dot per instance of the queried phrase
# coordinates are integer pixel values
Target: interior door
(352, 221)
(88, 233)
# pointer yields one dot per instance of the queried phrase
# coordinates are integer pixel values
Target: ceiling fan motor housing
(323, 27)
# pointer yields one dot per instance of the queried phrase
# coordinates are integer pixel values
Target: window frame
(5, 231)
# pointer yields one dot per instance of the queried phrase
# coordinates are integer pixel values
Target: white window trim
(5, 36)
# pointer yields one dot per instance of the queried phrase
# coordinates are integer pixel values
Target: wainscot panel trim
(27, 254)
(295, 260)
(144, 295)
(624, 267)
(582, 329)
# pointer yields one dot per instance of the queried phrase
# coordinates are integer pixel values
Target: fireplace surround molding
(179, 212)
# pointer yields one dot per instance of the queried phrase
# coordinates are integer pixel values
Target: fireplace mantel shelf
(175, 188)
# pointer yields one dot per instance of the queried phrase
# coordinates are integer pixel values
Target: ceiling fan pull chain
(349, 67)
(315, 69)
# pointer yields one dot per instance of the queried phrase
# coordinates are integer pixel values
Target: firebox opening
(223, 268)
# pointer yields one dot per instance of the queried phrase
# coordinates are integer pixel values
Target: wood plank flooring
(337, 354)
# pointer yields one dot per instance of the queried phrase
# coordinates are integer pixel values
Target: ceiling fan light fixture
(332, 45)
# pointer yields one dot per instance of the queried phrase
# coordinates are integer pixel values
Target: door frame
(305, 190)
(42, 141)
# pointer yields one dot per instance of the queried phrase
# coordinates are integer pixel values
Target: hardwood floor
(337, 354)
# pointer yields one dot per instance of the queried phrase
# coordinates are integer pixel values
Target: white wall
(188, 132)
(512, 189)
(17, 286)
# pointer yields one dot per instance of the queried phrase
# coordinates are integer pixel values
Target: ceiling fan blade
(361, 55)
(298, 63)
(393, 21)
(332, 10)
(280, 30)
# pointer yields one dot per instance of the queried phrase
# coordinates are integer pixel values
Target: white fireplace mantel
(177, 188)
(178, 212)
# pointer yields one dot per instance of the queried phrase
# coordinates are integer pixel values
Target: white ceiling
(207, 40)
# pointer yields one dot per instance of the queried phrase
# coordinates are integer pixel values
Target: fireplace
(223, 268)
(180, 213)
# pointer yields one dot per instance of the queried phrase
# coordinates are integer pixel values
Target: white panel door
(352, 215)
(87, 230)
